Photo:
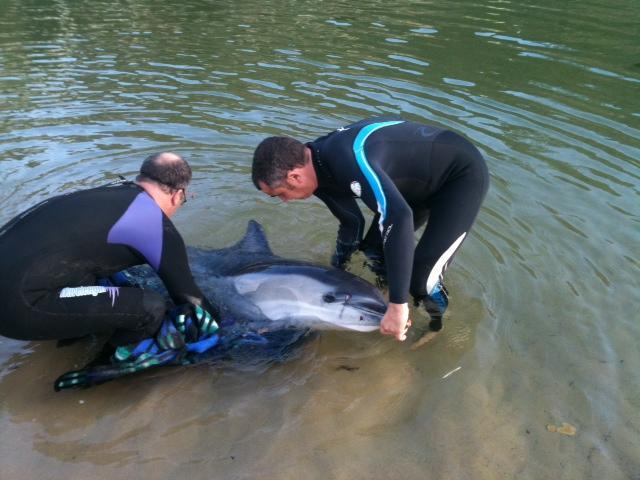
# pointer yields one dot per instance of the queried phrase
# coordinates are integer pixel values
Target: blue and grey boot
(436, 304)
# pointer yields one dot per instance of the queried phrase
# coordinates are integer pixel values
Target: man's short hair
(274, 158)
(168, 170)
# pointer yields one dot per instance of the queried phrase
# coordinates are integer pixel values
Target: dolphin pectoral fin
(251, 338)
(268, 346)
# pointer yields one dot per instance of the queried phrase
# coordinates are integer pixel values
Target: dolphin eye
(336, 297)
(329, 298)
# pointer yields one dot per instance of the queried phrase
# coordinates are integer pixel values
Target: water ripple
(544, 288)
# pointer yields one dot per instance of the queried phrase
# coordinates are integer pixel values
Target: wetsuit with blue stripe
(54, 256)
(409, 174)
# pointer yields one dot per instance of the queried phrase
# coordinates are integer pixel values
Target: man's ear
(295, 176)
(175, 198)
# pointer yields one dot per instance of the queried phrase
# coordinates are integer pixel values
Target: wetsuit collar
(322, 171)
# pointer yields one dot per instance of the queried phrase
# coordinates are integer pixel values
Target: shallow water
(543, 327)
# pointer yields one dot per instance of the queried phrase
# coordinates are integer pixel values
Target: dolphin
(267, 305)
(251, 284)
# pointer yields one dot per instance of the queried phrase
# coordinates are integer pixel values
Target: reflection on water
(542, 329)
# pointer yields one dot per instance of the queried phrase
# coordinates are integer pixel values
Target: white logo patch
(356, 188)
(94, 291)
(386, 235)
(342, 129)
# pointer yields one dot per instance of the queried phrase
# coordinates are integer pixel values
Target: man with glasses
(62, 261)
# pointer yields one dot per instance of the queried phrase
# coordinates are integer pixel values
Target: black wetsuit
(408, 173)
(54, 255)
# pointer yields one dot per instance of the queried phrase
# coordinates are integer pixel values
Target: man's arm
(176, 274)
(346, 210)
(396, 227)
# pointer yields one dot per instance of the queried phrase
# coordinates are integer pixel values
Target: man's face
(294, 187)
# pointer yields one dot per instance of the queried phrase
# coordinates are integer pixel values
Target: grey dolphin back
(253, 247)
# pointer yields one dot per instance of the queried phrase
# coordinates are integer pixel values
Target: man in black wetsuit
(57, 258)
(410, 174)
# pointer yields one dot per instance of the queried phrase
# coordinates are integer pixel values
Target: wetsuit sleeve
(396, 227)
(346, 210)
(175, 272)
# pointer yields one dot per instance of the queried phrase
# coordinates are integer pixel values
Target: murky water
(543, 328)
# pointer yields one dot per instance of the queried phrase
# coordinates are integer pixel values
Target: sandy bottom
(346, 406)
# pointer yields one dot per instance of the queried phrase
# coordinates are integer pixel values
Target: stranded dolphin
(251, 284)
(266, 303)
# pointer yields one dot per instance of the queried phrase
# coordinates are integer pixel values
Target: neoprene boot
(435, 304)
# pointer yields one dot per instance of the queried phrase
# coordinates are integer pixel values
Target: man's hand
(343, 253)
(396, 321)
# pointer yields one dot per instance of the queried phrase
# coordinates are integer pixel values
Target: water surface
(543, 326)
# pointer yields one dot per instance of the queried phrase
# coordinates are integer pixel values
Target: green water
(543, 323)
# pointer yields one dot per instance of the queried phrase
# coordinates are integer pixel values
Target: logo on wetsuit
(356, 188)
(386, 235)
(94, 291)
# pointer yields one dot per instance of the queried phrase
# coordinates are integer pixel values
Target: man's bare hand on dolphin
(396, 321)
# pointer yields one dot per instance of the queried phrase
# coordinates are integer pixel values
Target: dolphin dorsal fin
(254, 240)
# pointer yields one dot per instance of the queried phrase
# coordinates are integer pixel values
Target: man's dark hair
(274, 158)
(167, 169)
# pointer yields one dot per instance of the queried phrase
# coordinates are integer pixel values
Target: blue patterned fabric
(185, 330)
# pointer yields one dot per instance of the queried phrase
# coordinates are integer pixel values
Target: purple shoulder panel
(140, 227)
